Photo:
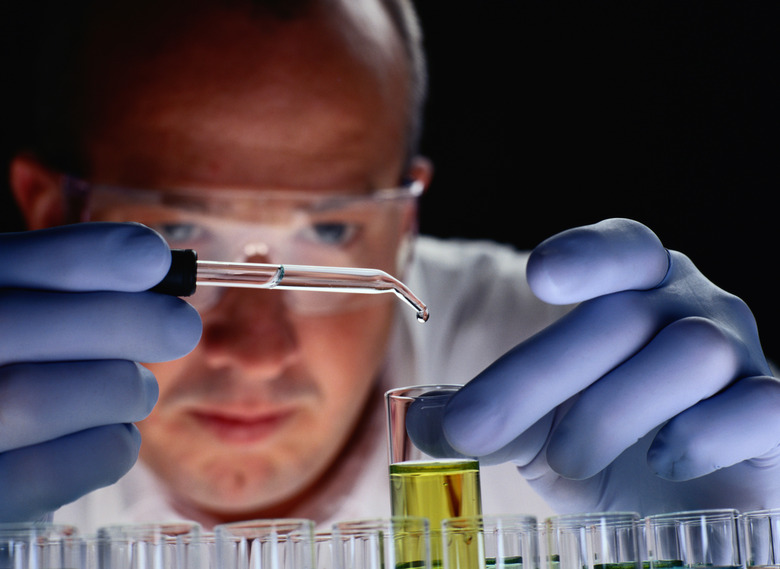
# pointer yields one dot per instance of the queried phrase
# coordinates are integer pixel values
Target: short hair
(407, 25)
(58, 112)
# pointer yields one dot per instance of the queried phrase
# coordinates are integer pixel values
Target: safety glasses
(371, 230)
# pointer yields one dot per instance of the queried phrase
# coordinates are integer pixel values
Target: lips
(241, 428)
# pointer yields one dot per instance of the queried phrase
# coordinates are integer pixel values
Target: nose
(250, 330)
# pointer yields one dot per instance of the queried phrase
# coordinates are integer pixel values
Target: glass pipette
(187, 273)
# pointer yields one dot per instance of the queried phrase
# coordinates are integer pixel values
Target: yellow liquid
(437, 490)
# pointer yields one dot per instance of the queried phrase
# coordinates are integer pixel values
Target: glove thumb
(424, 424)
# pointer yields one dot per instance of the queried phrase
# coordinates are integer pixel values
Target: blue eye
(179, 232)
(334, 233)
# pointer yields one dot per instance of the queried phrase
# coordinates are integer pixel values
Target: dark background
(544, 115)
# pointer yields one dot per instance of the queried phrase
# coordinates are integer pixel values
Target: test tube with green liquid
(491, 542)
(597, 540)
(423, 484)
(392, 543)
(696, 538)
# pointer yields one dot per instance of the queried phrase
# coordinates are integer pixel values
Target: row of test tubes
(714, 539)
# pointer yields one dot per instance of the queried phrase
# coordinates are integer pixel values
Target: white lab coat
(480, 306)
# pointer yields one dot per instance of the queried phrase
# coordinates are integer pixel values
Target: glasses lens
(371, 231)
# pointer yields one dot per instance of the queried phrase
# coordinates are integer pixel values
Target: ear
(38, 191)
(421, 168)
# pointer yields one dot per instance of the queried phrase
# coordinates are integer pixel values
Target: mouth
(239, 427)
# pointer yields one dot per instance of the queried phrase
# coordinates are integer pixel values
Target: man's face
(262, 407)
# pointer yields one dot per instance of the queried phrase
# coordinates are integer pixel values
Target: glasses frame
(77, 192)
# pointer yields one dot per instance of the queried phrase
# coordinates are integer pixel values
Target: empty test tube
(187, 273)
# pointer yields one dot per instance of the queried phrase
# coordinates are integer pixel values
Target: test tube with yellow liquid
(427, 478)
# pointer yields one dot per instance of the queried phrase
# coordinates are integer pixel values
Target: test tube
(81, 552)
(168, 545)
(35, 545)
(266, 544)
(422, 482)
(491, 542)
(761, 534)
(598, 540)
(382, 543)
(694, 538)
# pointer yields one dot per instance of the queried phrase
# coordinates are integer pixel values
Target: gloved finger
(741, 423)
(533, 378)
(688, 361)
(586, 262)
(84, 257)
(525, 447)
(56, 326)
(424, 427)
(41, 402)
(49, 475)
(423, 424)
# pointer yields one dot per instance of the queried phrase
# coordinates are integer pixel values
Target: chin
(225, 503)
(248, 488)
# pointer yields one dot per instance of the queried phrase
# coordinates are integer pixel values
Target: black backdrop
(544, 115)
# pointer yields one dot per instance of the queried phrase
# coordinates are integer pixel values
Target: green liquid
(438, 490)
(505, 563)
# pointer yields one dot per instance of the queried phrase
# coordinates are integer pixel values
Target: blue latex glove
(74, 321)
(652, 395)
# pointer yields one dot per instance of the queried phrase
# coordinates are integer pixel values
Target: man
(285, 132)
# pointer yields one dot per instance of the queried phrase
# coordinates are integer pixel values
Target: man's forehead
(231, 37)
(218, 70)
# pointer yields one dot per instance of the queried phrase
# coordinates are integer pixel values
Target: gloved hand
(73, 323)
(653, 394)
